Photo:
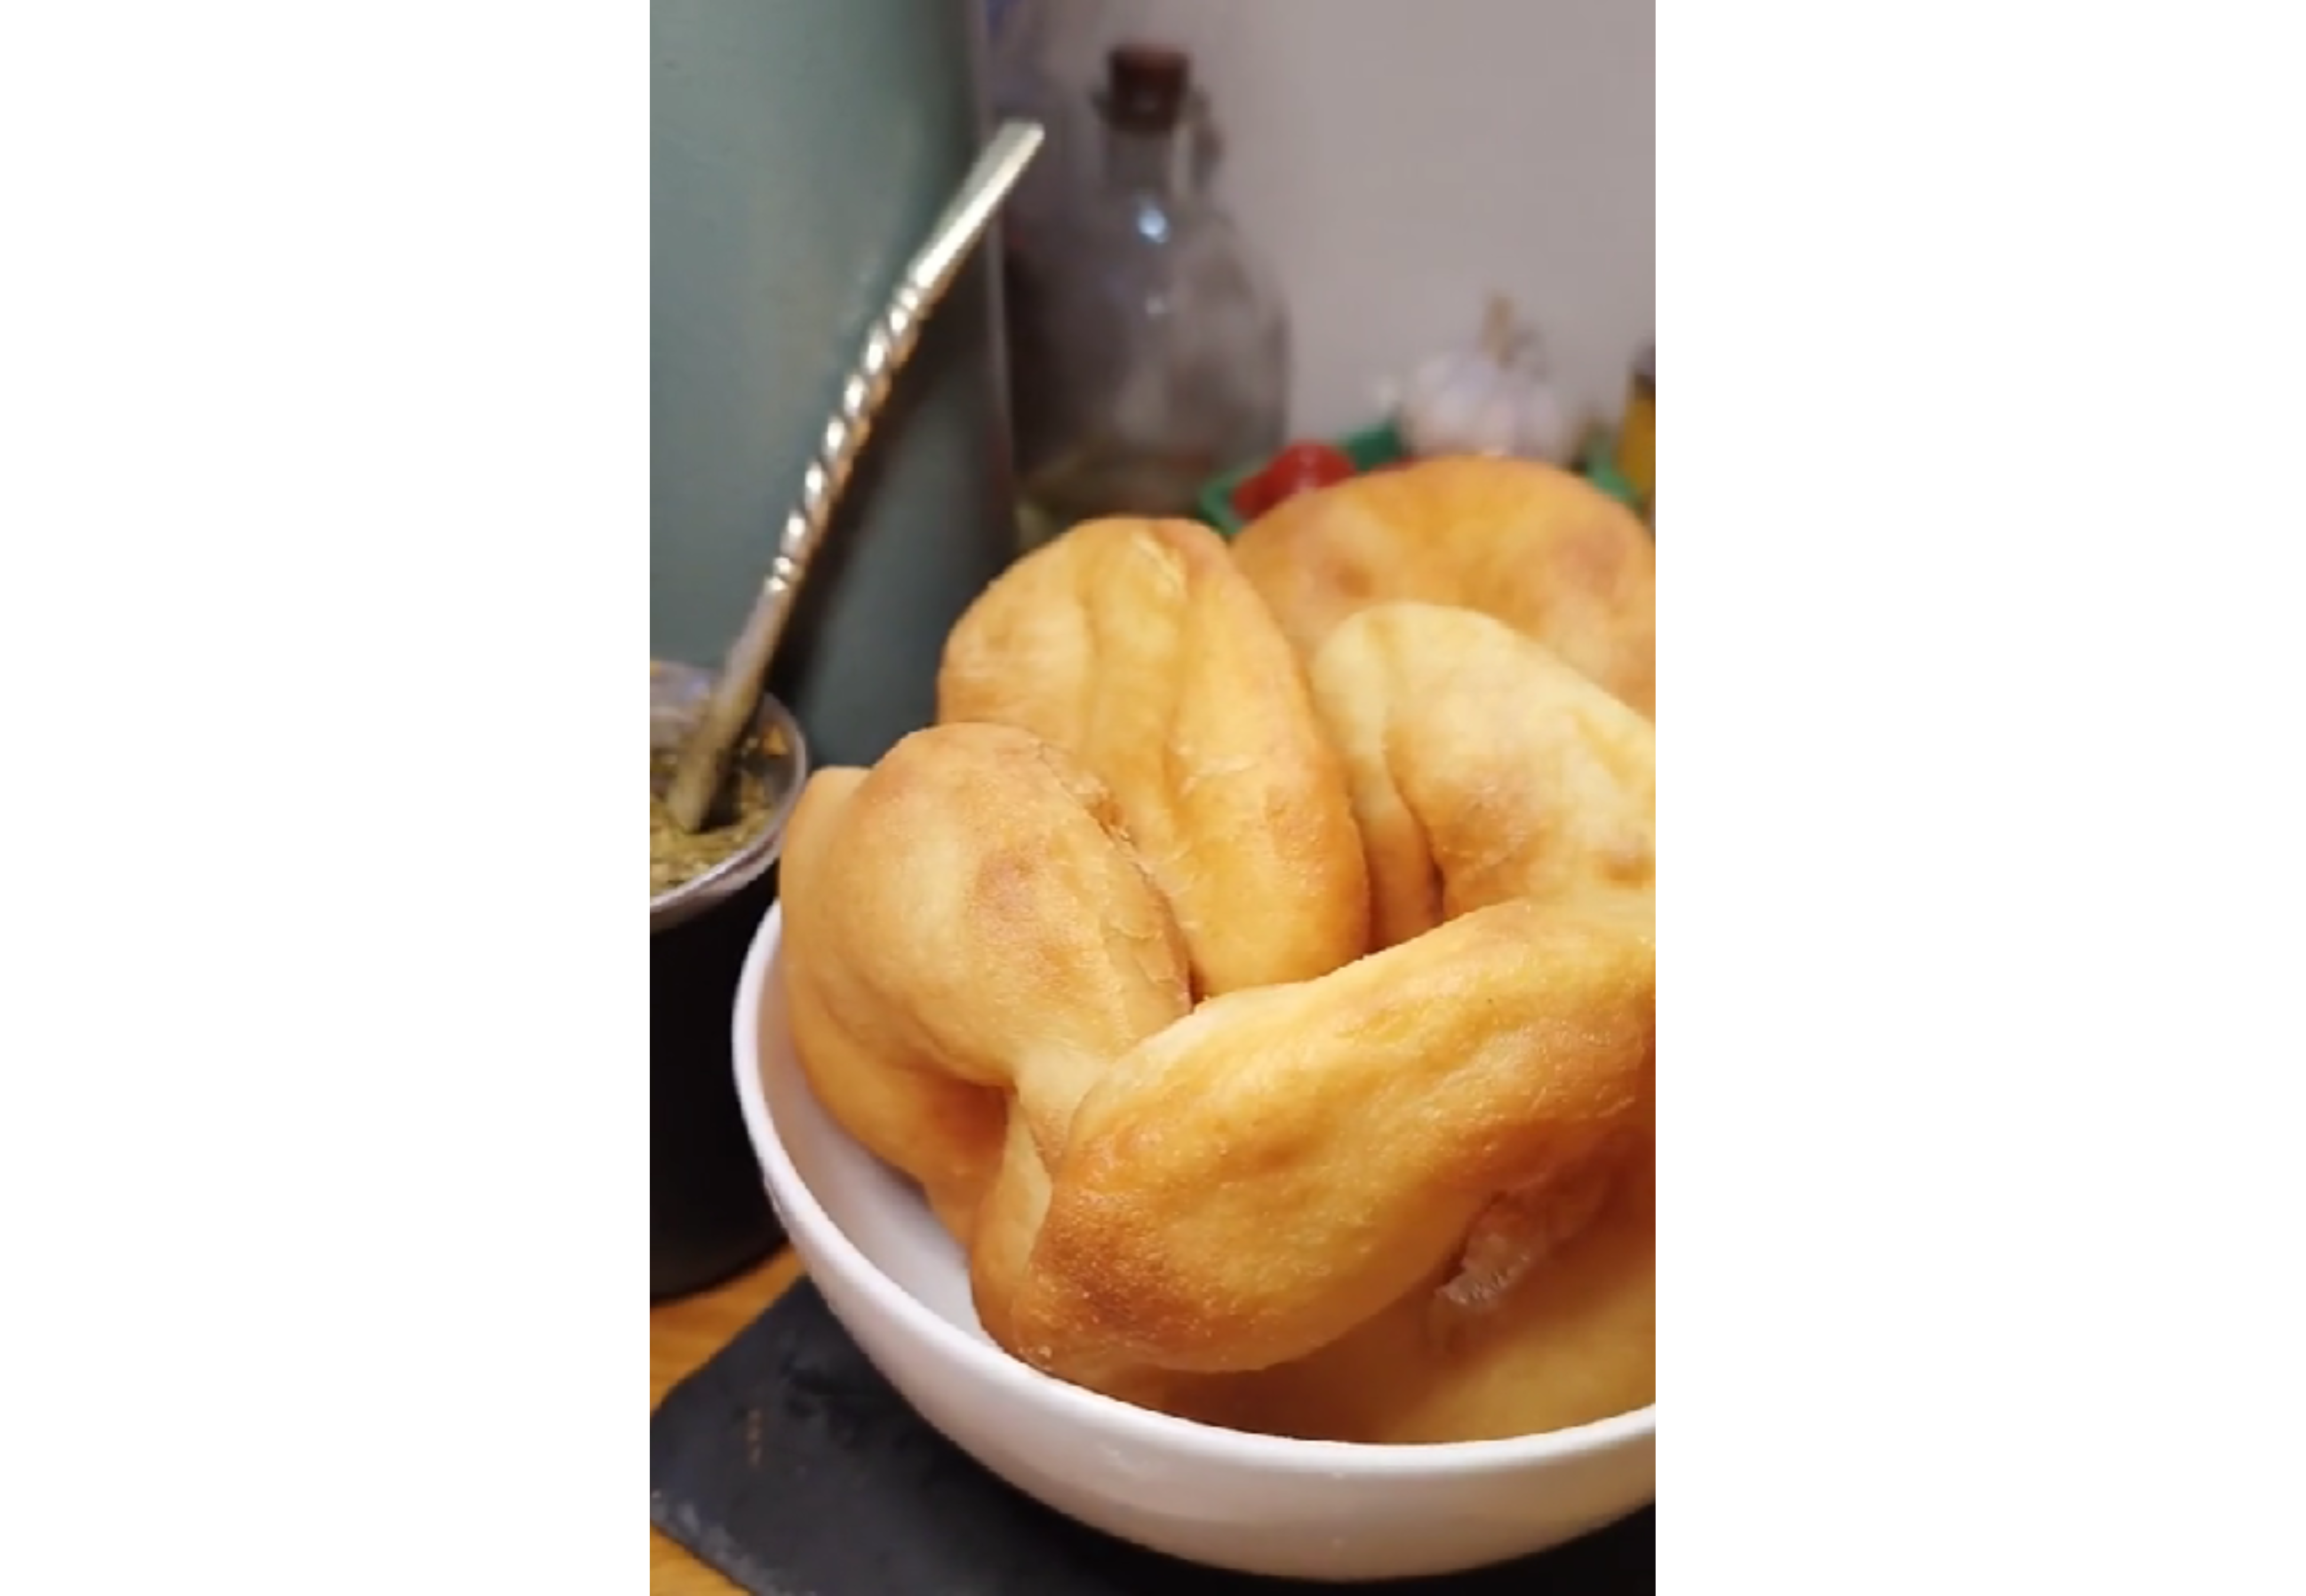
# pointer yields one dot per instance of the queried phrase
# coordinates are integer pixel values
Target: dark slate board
(791, 1466)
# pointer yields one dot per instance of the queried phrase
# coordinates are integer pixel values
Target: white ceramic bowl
(1258, 1504)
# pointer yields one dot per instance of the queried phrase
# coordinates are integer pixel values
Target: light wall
(1398, 160)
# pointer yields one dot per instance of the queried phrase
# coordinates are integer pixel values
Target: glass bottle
(1163, 355)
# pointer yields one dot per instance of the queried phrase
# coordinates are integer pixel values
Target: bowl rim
(1018, 1380)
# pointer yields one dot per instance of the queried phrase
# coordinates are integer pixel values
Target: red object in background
(1300, 468)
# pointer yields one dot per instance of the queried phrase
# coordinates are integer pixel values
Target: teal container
(801, 153)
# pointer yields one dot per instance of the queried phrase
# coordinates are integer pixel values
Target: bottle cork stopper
(1146, 86)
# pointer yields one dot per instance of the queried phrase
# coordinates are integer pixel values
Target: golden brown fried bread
(1136, 647)
(943, 1132)
(1539, 547)
(1252, 1183)
(1403, 1197)
(1569, 1346)
(1483, 768)
(966, 930)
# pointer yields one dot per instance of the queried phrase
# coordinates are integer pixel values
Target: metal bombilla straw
(703, 759)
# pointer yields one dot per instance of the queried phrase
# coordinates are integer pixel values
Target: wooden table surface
(683, 1336)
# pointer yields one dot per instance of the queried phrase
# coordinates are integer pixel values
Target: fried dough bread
(1536, 547)
(1138, 648)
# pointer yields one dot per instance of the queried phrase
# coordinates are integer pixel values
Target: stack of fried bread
(1255, 966)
